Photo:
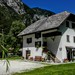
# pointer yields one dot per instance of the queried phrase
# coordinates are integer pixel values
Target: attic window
(37, 35)
(67, 23)
(73, 25)
(29, 40)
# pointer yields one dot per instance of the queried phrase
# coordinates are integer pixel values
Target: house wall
(67, 31)
(34, 51)
(58, 46)
(31, 46)
(55, 46)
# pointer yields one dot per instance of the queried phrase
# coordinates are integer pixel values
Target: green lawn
(65, 69)
(12, 58)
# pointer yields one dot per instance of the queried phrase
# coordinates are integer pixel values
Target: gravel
(18, 66)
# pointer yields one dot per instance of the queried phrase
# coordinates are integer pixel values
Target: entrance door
(27, 54)
(70, 54)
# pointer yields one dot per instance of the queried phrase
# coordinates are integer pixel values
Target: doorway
(70, 54)
(27, 54)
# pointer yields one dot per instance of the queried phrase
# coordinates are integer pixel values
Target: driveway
(18, 66)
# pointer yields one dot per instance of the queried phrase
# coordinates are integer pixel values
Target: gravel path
(18, 66)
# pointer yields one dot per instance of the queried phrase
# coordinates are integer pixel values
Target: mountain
(34, 14)
(11, 10)
(7, 16)
(42, 12)
(14, 17)
(17, 5)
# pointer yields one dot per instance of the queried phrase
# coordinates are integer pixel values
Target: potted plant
(66, 60)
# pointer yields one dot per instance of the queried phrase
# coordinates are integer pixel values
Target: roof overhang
(42, 31)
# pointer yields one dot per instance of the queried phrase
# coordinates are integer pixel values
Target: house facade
(51, 38)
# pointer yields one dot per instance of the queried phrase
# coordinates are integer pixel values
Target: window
(29, 40)
(67, 24)
(73, 25)
(68, 38)
(74, 39)
(74, 53)
(38, 44)
(44, 43)
(37, 35)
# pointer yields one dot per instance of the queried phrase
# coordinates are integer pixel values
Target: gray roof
(46, 23)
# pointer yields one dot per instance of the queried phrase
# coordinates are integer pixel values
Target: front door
(27, 54)
(70, 54)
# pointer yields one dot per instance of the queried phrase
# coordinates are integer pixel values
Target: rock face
(17, 5)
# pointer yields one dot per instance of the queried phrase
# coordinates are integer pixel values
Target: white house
(54, 35)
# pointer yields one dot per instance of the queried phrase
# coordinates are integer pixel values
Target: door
(70, 54)
(27, 54)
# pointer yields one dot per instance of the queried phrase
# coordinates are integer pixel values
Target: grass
(64, 69)
(12, 58)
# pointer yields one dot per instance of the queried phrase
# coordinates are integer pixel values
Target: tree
(4, 52)
(16, 27)
(12, 39)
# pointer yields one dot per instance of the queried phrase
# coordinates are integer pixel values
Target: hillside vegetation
(14, 20)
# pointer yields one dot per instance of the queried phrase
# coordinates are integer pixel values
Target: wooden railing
(54, 58)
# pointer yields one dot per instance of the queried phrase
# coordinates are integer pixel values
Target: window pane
(73, 53)
(37, 35)
(38, 44)
(73, 25)
(74, 39)
(44, 43)
(29, 40)
(67, 24)
(68, 40)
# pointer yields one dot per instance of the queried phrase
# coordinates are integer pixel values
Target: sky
(53, 5)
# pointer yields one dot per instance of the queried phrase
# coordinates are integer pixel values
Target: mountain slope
(11, 10)
(7, 16)
(43, 12)
(17, 5)
(14, 17)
